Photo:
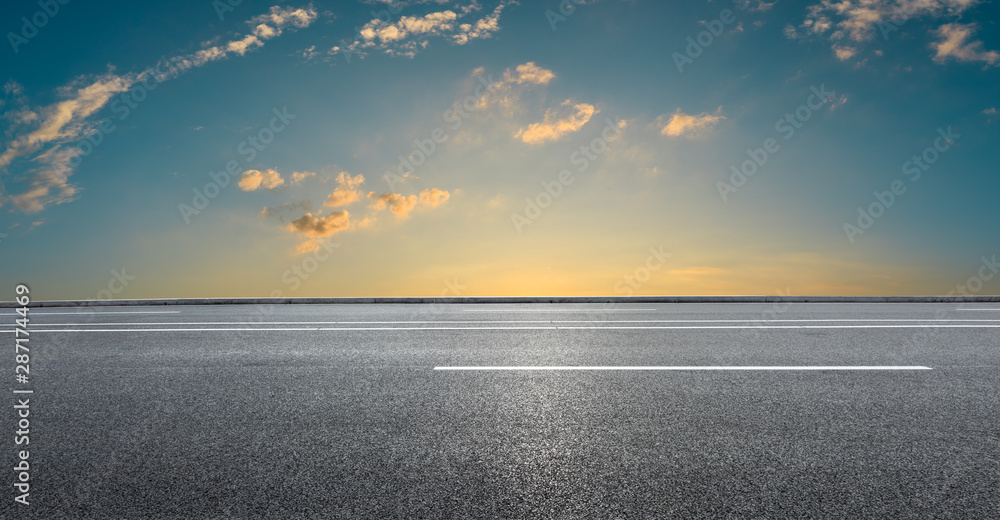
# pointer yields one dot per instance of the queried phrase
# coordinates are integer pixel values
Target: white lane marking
(519, 321)
(914, 326)
(488, 368)
(994, 310)
(560, 310)
(34, 312)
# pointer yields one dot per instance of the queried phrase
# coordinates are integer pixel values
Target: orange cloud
(346, 191)
(254, 179)
(681, 124)
(315, 227)
(552, 128)
(401, 205)
(318, 226)
(433, 197)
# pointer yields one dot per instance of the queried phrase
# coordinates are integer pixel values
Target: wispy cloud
(553, 125)
(506, 91)
(954, 42)
(300, 177)
(42, 149)
(857, 21)
(411, 34)
(686, 125)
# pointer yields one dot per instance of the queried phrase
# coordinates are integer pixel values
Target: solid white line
(233, 329)
(490, 368)
(137, 323)
(506, 321)
(33, 312)
(994, 310)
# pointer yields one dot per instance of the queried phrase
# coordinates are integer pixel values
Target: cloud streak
(552, 126)
(47, 153)
(687, 125)
(411, 34)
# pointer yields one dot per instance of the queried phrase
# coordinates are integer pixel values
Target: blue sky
(605, 135)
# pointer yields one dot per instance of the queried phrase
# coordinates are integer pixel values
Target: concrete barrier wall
(517, 299)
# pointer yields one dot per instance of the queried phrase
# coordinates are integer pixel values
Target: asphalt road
(386, 411)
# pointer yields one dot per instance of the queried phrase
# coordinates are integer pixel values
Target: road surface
(514, 411)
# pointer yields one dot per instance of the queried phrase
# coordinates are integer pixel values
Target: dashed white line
(560, 310)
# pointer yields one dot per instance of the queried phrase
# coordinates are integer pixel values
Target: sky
(236, 148)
